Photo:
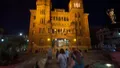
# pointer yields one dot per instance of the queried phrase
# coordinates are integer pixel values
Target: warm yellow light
(48, 39)
(74, 40)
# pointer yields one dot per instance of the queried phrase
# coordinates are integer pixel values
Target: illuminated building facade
(58, 28)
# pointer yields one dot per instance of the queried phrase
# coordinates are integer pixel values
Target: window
(53, 18)
(34, 17)
(42, 11)
(75, 15)
(43, 31)
(56, 18)
(58, 30)
(33, 32)
(79, 23)
(78, 15)
(64, 18)
(40, 30)
(42, 21)
(33, 24)
(59, 19)
(67, 19)
(49, 30)
(53, 31)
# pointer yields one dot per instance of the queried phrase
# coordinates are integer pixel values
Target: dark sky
(15, 15)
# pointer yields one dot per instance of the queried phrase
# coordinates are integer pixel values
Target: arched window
(78, 15)
(75, 15)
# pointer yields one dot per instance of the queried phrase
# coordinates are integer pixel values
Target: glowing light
(118, 33)
(108, 65)
(27, 40)
(74, 40)
(55, 39)
(64, 39)
(48, 39)
(2, 40)
(20, 34)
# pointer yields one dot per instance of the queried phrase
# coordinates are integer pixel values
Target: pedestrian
(81, 53)
(50, 54)
(67, 54)
(78, 60)
(57, 53)
(36, 65)
(71, 62)
(62, 59)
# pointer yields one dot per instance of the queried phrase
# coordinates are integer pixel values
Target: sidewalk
(52, 64)
(20, 60)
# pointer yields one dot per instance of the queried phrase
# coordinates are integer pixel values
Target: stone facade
(47, 26)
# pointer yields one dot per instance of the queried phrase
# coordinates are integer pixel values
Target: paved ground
(30, 63)
(89, 58)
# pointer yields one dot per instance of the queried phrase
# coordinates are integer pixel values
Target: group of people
(69, 59)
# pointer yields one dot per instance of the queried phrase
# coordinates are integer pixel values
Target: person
(49, 54)
(78, 60)
(71, 62)
(57, 53)
(67, 54)
(81, 53)
(62, 59)
(36, 65)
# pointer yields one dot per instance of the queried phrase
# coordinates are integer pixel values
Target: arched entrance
(61, 43)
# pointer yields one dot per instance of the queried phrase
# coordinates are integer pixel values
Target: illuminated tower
(80, 20)
(39, 24)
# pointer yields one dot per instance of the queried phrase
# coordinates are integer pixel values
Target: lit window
(77, 5)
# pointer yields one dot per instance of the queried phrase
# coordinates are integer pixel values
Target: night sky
(15, 15)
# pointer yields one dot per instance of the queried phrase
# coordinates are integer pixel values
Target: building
(58, 28)
(109, 36)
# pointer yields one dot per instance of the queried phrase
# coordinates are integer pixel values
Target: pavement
(30, 63)
(89, 58)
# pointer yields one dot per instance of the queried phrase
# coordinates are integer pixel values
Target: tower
(80, 20)
(39, 24)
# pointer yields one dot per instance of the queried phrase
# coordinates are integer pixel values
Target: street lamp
(48, 39)
(118, 33)
(74, 40)
(2, 40)
(21, 34)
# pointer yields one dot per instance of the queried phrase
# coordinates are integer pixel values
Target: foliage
(10, 49)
